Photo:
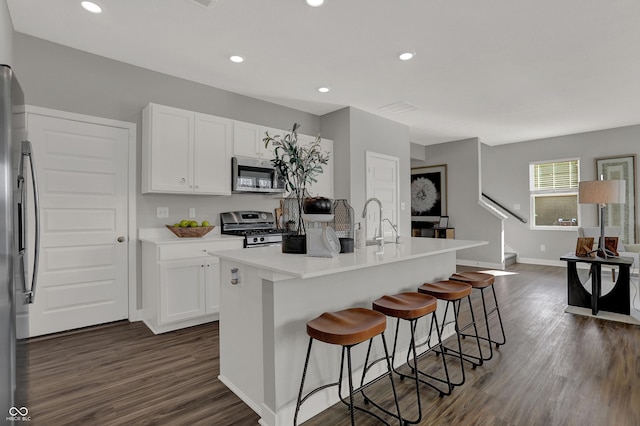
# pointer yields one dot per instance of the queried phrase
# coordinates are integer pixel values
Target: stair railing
(516, 215)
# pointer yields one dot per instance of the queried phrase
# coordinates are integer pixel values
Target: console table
(617, 300)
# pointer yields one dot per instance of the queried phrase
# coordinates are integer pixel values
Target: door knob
(120, 239)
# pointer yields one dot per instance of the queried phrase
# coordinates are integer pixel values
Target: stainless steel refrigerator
(18, 269)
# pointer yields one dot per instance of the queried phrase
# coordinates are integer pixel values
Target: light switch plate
(403, 206)
(192, 212)
(162, 212)
(516, 207)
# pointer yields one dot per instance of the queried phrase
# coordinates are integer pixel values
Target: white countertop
(164, 236)
(303, 266)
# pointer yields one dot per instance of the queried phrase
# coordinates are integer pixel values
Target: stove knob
(261, 239)
(255, 240)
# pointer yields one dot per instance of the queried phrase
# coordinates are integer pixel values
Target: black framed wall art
(428, 193)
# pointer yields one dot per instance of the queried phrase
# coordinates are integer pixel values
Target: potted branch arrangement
(298, 166)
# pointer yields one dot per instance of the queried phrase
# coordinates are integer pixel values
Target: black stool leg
(497, 309)
(304, 374)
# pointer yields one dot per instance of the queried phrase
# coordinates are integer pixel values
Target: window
(554, 193)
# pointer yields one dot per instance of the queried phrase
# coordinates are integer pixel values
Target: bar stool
(411, 307)
(482, 281)
(347, 328)
(453, 292)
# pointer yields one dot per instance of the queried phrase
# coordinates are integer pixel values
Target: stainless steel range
(258, 228)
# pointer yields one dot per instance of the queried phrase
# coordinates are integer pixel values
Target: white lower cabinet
(181, 283)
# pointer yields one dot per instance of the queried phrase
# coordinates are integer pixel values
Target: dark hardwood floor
(556, 369)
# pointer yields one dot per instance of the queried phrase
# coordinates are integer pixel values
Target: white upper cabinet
(185, 152)
(248, 140)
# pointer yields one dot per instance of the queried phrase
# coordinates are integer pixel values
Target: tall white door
(383, 184)
(82, 171)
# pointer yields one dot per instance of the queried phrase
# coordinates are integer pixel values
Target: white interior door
(83, 177)
(383, 184)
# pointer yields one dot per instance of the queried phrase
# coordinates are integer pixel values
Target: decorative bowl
(195, 232)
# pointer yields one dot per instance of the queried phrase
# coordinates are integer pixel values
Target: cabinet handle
(183, 180)
(197, 186)
(202, 266)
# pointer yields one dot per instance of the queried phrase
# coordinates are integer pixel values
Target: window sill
(554, 228)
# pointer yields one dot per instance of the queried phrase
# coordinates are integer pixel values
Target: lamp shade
(602, 192)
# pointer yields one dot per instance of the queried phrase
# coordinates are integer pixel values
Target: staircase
(510, 258)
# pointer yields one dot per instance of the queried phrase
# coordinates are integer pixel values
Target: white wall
(6, 35)
(471, 222)
(505, 172)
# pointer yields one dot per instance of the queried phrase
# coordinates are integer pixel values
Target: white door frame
(369, 186)
(134, 314)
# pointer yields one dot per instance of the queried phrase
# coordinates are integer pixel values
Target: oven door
(254, 175)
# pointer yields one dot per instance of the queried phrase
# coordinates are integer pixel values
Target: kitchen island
(267, 297)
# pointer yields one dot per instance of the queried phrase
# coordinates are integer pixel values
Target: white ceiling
(501, 70)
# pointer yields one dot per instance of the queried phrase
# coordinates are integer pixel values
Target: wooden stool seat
(348, 327)
(446, 290)
(476, 279)
(406, 305)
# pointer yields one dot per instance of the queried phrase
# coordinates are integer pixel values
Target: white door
(83, 176)
(383, 184)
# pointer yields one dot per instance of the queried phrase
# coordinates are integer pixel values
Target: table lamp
(602, 192)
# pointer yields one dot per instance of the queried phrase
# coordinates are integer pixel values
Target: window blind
(562, 175)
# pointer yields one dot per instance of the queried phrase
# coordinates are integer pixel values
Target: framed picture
(429, 193)
(624, 215)
(584, 246)
(444, 222)
(611, 245)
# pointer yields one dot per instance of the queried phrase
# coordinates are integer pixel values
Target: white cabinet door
(246, 139)
(182, 290)
(212, 155)
(212, 290)
(267, 153)
(167, 149)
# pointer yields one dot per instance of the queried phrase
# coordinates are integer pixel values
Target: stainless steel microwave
(254, 175)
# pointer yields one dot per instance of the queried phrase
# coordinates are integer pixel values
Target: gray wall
(6, 35)
(335, 126)
(354, 132)
(62, 78)
(505, 175)
(471, 221)
(58, 77)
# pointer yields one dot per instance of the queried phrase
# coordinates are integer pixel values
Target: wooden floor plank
(556, 369)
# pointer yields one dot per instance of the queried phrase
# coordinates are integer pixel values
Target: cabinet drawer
(192, 250)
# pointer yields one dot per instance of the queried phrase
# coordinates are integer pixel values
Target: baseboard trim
(543, 262)
(463, 262)
(255, 407)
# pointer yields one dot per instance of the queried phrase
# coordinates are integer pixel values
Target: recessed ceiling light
(323, 89)
(315, 3)
(237, 59)
(406, 56)
(91, 7)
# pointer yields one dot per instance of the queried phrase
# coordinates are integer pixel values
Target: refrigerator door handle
(27, 152)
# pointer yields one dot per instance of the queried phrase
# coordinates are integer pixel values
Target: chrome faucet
(395, 229)
(378, 237)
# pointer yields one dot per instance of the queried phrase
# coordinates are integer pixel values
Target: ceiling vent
(399, 107)
(205, 3)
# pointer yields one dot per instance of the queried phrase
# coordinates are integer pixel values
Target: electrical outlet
(542, 247)
(192, 213)
(403, 206)
(162, 212)
(516, 207)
